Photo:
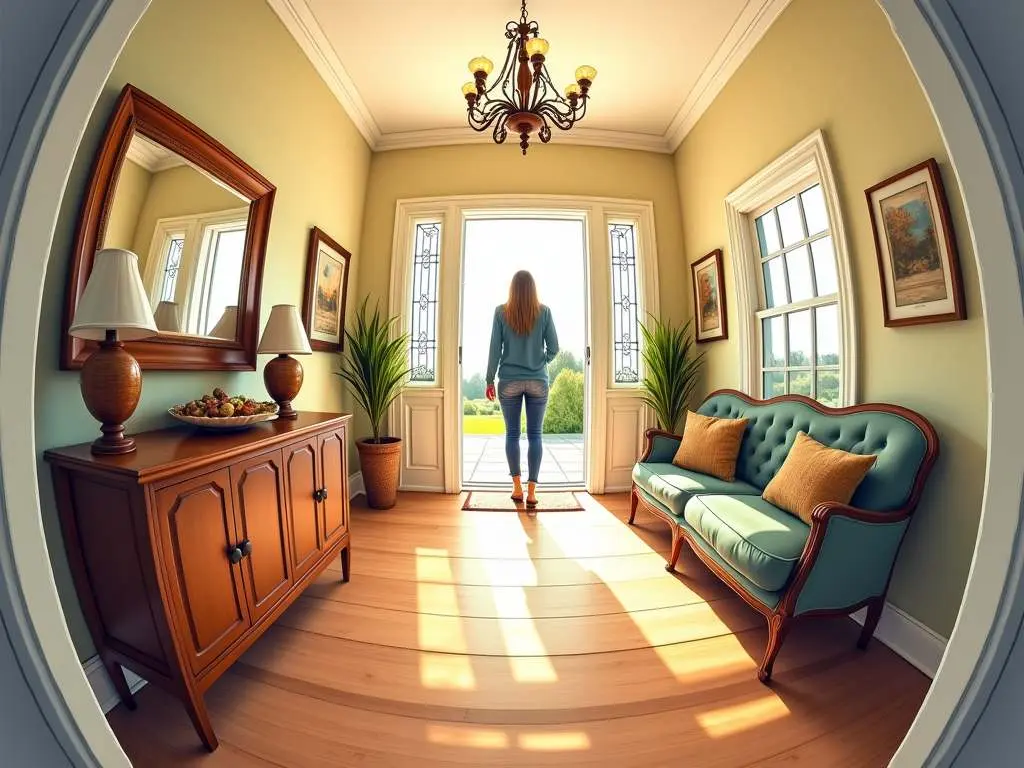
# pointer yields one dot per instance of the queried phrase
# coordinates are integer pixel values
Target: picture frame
(710, 318)
(918, 262)
(323, 302)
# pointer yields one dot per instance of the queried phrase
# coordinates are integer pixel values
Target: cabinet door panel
(334, 479)
(197, 525)
(301, 485)
(258, 489)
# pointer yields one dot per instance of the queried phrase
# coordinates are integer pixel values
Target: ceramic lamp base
(283, 379)
(111, 386)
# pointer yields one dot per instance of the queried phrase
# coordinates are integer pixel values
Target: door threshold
(578, 487)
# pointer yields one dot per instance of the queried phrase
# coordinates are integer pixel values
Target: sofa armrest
(848, 558)
(661, 446)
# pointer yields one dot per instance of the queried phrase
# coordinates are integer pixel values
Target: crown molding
(592, 137)
(300, 21)
(151, 156)
(755, 19)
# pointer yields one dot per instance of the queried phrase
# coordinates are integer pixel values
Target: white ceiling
(397, 66)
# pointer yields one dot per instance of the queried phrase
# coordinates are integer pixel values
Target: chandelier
(523, 98)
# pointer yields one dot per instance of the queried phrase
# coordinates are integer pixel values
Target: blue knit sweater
(516, 356)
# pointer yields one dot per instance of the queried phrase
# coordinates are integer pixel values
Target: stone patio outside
(483, 460)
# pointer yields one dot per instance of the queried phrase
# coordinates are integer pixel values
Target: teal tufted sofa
(781, 566)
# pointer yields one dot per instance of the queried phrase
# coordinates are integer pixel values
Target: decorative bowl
(223, 422)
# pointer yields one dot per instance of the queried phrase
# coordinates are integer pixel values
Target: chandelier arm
(500, 132)
(562, 121)
(483, 118)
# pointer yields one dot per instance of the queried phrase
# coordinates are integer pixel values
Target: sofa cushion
(753, 536)
(710, 446)
(898, 442)
(674, 486)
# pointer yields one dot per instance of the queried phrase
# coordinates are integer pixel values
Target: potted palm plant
(671, 370)
(375, 365)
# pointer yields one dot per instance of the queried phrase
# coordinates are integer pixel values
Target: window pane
(800, 337)
(774, 384)
(773, 330)
(426, 264)
(625, 329)
(768, 233)
(826, 321)
(828, 388)
(824, 266)
(775, 283)
(800, 383)
(814, 210)
(800, 285)
(789, 219)
(225, 277)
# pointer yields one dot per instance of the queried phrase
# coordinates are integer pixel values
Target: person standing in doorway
(523, 342)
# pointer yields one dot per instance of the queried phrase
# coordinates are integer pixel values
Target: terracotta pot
(380, 463)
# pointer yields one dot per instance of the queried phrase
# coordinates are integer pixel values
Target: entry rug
(501, 501)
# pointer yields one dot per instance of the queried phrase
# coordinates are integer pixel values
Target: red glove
(490, 392)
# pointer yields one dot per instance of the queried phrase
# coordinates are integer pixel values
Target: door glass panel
(426, 267)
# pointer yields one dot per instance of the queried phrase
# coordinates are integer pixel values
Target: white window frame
(197, 229)
(806, 163)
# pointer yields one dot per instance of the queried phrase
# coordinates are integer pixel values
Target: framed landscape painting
(917, 257)
(323, 305)
(709, 298)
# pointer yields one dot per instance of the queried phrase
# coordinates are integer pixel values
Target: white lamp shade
(114, 299)
(227, 326)
(168, 316)
(284, 334)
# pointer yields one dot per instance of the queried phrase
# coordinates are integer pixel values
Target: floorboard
(507, 639)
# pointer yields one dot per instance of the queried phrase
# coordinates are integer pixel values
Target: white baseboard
(102, 688)
(355, 485)
(908, 637)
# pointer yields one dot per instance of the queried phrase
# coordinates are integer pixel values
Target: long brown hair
(522, 308)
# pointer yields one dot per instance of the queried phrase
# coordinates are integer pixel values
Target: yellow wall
(129, 196)
(178, 191)
(232, 69)
(836, 66)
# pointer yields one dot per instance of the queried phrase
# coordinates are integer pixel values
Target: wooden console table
(185, 551)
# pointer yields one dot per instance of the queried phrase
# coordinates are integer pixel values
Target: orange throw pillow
(710, 445)
(813, 473)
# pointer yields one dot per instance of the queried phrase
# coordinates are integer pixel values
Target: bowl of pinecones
(220, 410)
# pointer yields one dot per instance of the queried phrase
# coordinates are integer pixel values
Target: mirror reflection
(188, 230)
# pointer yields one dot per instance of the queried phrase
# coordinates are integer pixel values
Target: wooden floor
(496, 638)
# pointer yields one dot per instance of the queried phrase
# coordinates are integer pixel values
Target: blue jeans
(511, 395)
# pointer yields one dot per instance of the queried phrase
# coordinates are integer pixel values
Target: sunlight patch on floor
(736, 718)
(446, 671)
(433, 565)
(533, 669)
(467, 736)
(437, 598)
(554, 742)
(727, 656)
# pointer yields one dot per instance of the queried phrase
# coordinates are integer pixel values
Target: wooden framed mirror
(198, 218)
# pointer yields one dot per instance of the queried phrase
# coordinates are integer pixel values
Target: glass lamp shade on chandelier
(522, 98)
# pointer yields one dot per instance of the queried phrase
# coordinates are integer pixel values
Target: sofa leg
(677, 548)
(634, 499)
(778, 628)
(870, 622)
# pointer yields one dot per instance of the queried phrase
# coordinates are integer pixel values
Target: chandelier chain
(522, 17)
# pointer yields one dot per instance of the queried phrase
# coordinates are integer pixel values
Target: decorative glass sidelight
(172, 265)
(625, 305)
(426, 266)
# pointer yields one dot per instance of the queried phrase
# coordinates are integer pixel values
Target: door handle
(587, 356)
(246, 547)
(320, 494)
(235, 555)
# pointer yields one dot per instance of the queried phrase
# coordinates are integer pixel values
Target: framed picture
(917, 259)
(709, 298)
(323, 305)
